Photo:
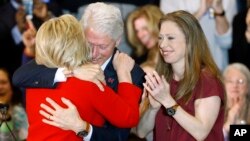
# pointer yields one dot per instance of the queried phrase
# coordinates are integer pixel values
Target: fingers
(151, 81)
(45, 114)
(53, 104)
(100, 80)
(67, 103)
(147, 88)
(99, 85)
(101, 77)
(144, 94)
(157, 77)
(154, 80)
(116, 54)
(123, 62)
(68, 73)
(51, 122)
(89, 72)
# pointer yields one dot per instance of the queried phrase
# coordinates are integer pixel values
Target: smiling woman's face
(143, 33)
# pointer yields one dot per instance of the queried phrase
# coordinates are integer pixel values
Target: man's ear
(118, 41)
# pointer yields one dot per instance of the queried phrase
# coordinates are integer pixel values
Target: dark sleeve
(138, 76)
(34, 75)
(104, 134)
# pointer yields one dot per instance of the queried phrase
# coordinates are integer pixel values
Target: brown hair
(197, 57)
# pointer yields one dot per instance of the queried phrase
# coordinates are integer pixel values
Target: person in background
(28, 38)
(142, 34)
(15, 116)
(241, 37)
(186, 85)
(12, 25)
(103, 27)
(215, 17)
(41, 14)
(237, 85)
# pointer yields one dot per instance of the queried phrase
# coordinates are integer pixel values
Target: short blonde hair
(60, 42)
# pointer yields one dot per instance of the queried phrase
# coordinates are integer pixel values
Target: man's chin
(97, 62)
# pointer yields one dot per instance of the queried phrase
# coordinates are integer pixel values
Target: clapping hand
(159, 89)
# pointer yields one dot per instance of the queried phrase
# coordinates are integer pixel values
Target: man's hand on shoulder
(90, 72)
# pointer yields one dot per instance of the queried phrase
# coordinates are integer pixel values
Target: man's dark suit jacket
(33, 75)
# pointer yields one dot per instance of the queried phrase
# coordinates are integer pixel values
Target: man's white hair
(103, 18)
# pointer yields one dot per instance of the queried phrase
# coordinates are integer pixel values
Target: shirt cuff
(88, 137)
(17, 36)
(59, 76)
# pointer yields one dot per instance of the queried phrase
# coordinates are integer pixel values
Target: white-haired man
(103, 27)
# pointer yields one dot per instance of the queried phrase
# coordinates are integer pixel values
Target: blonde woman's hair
(60, 42)
(104, 18)
(153, 15)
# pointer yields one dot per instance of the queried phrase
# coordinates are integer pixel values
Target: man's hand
(64, 118)
(123, 64)
(90, 72)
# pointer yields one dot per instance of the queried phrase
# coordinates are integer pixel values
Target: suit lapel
(110, 75)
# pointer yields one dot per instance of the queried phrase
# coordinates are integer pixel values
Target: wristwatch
(219, 14)
(84, 133)
(171, 110)
(213, 14)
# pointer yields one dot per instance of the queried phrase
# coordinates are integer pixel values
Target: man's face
(102, 45)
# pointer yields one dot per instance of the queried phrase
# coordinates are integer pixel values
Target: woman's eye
(160, 38)
(170, 38)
